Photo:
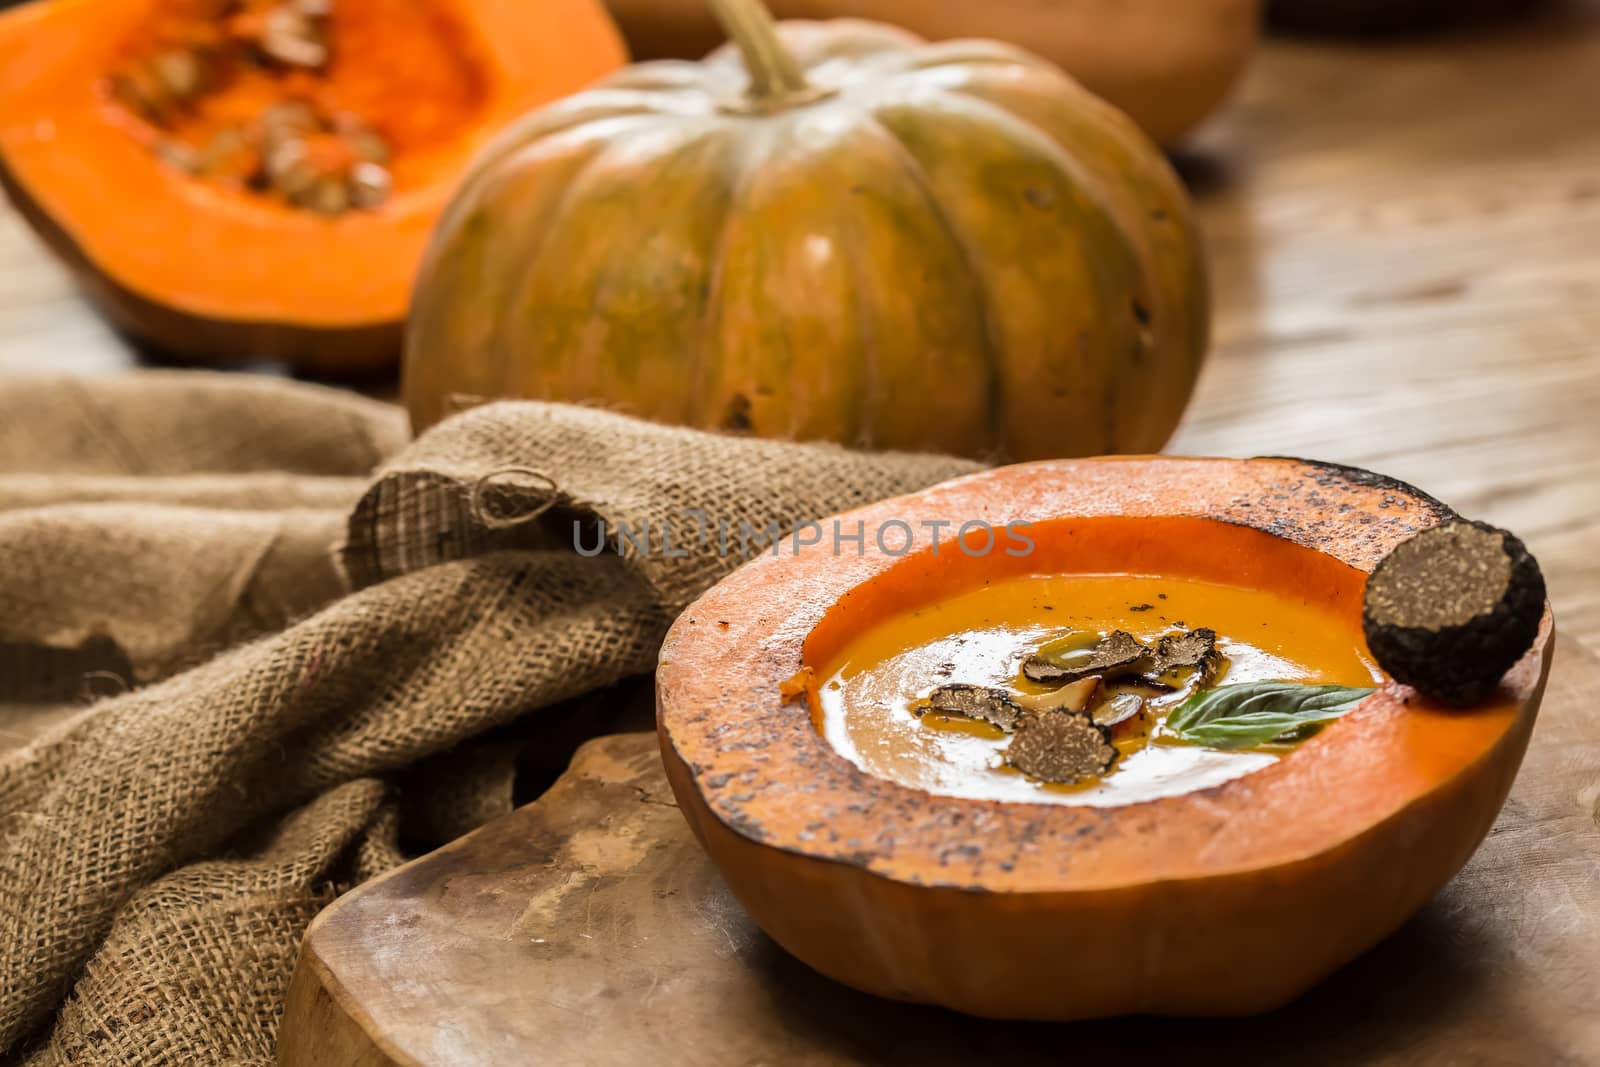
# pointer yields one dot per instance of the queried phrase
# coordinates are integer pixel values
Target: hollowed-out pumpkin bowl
(1228, 900)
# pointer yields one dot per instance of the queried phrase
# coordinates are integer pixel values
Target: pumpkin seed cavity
(297, 149)
(1103, 687)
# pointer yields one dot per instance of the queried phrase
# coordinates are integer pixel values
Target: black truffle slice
(976, 702)
(1452, 608)
(1192, 648)
(1060, 746)
(1116, 653)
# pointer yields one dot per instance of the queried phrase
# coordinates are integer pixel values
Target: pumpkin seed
(139, 90)
(291, 38)
(369, 147)
(281, 152)
(180, 73)
(364, 142)
(229, 154)
(370, 186)
(285, 123)
(178, 155)
(288, 117)
(226, 141)
(288, 169)
(328, 195)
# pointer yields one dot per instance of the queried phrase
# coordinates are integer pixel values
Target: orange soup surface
(869, 692)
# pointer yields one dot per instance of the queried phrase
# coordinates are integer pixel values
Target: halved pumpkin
(127, 129)
(1228, 900)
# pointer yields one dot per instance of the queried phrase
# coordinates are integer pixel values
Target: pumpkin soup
(905, 699)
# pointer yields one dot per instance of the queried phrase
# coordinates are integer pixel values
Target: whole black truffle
(1452, 608)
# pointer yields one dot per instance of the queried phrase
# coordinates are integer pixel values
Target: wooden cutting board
(588, 928)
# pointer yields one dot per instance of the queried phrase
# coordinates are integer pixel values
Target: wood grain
(589, 928)
(1406, 247)
(45, 326)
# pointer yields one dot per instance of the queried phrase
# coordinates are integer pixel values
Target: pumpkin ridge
(502, 337)
(1104, 212)
(993, 352)
(654, 76)
(1359, 476)
(710, 352)
(516, 138)
(561, 216)
(459, 262)
(977, 52)
(1183, 298)
(1096, 211)
(1103, 207)
(871, 357)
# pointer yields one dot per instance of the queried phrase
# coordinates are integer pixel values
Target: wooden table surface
(1406, 242)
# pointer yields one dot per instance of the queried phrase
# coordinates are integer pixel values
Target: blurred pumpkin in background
(232, 179)
(833, 231)
(1167, 63)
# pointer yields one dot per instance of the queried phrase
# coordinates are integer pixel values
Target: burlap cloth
(251, 642)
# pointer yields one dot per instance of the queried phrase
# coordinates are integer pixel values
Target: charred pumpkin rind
(210, 273)
(1227, 901)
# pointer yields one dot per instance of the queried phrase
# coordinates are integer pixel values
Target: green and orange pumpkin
(830, 231)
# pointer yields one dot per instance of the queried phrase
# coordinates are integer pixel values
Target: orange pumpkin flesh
(208, 268)
(1225, 901)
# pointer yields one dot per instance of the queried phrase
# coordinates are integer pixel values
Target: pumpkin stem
(774, 74)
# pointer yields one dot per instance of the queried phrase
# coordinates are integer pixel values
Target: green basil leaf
(1254, 713)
